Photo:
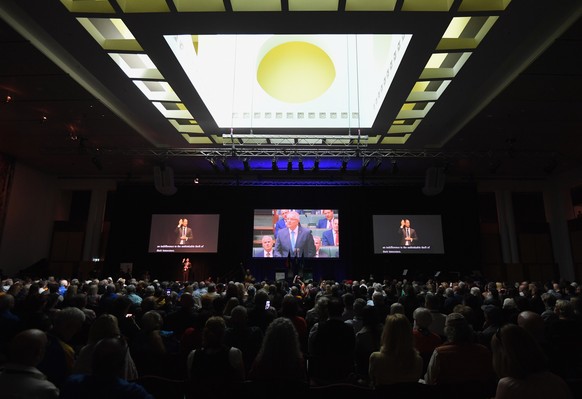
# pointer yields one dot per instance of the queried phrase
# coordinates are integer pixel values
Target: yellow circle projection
(296, 72)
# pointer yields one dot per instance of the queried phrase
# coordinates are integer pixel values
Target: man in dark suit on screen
(407, 234)
(295, 239)
(327, 221)
(184, 232)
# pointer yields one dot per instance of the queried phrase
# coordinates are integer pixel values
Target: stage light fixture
(365, 163)
(344, 165)
(289, 165)
(225, 164)
(246, 165)
(395, 168)
(316, 165)
(212, 162)
(301, 169)
(377, 165)
(274, 165)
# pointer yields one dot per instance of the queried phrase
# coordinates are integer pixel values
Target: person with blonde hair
(398, 360)
(280, 357)
(105, 326)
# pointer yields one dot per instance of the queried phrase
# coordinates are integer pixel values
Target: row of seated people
(214, 339)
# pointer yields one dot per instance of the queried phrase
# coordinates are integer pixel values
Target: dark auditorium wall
(131, 207)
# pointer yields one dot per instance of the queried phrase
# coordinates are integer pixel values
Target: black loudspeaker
(434, 181)
(164, 180)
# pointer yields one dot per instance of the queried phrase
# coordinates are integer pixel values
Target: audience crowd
(100, 337)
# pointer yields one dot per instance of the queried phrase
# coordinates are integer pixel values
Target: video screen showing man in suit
(320, 222)
(395, 234)
(191, 233)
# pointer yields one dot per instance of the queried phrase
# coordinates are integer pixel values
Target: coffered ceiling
(223, 90)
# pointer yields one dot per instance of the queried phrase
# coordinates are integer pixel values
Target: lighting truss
(350, 151)
(287, 140)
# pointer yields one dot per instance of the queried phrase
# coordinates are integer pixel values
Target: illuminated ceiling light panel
(196, 139)
(484, 5)
(199, 5)
(156, 91)
(254, 140)
(427, 5)
(320, 81)
(173, 110)
(396, 139)
(216, 138)
(135, 6)
(88, 6)
(250, 139)
(186, 125)
(313, 5)
(110, 33)
(255, 5)
(408, 127)
(414, 110)
(373, 139)
(309, 141)
(370, 5)
(136, 66)
(427, 90)
(466, 32)
(444, 65)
